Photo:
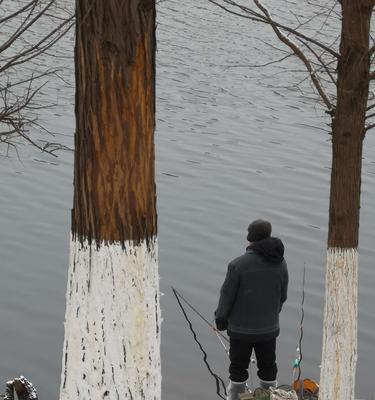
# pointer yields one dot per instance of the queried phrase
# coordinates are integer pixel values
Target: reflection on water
(232, 145)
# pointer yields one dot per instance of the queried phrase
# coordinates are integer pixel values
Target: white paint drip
(112, 323)
(339, 354)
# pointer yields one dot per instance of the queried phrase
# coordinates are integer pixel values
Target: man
(251, 299)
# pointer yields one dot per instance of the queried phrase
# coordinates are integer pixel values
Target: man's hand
(221, 324)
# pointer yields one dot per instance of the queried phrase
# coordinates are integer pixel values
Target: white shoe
(267, 384)
(234, 389)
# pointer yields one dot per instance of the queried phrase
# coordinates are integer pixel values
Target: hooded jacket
(255, 289)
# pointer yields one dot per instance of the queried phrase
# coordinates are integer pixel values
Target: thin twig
(298, 52)
(259, 65)
(254, 16)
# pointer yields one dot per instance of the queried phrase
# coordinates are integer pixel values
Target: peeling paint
(112, 322)
(339, 353)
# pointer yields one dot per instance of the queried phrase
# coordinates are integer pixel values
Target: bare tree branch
(321, 61)
(369, 127)
(18, 12)
(299, 53)
(23, 26)
(18, 86)
(259, 65)
(35, 50)
(248, 13)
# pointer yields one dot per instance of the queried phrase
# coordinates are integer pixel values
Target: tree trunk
(112, 324)
(339, 354)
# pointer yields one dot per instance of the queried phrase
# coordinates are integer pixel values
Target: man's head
(258, 230)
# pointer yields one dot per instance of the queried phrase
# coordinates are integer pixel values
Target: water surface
(233, 144)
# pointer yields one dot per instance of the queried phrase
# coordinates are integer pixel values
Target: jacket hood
(271, 248)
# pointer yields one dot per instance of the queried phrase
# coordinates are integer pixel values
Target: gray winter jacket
(255, 289)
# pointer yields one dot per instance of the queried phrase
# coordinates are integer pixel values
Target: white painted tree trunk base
(112, 323)
(339, 353)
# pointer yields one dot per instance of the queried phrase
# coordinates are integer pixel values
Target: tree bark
(114, 196)
(339, 354)
(348, 125)
(112, 323)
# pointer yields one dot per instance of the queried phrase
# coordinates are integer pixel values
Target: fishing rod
(298, 360)
(218, 381)
(219, 335)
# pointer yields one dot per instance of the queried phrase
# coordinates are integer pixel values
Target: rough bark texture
(348, 127)
(114, 190)
(112, 321)
(339, 353)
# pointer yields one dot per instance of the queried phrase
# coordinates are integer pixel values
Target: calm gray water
(233, 144)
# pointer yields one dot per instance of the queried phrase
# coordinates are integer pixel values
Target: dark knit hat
(258, 230)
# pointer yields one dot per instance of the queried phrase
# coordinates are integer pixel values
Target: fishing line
(200, 315)
(218, 381)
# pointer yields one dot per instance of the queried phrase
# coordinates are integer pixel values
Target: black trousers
(240, 355)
